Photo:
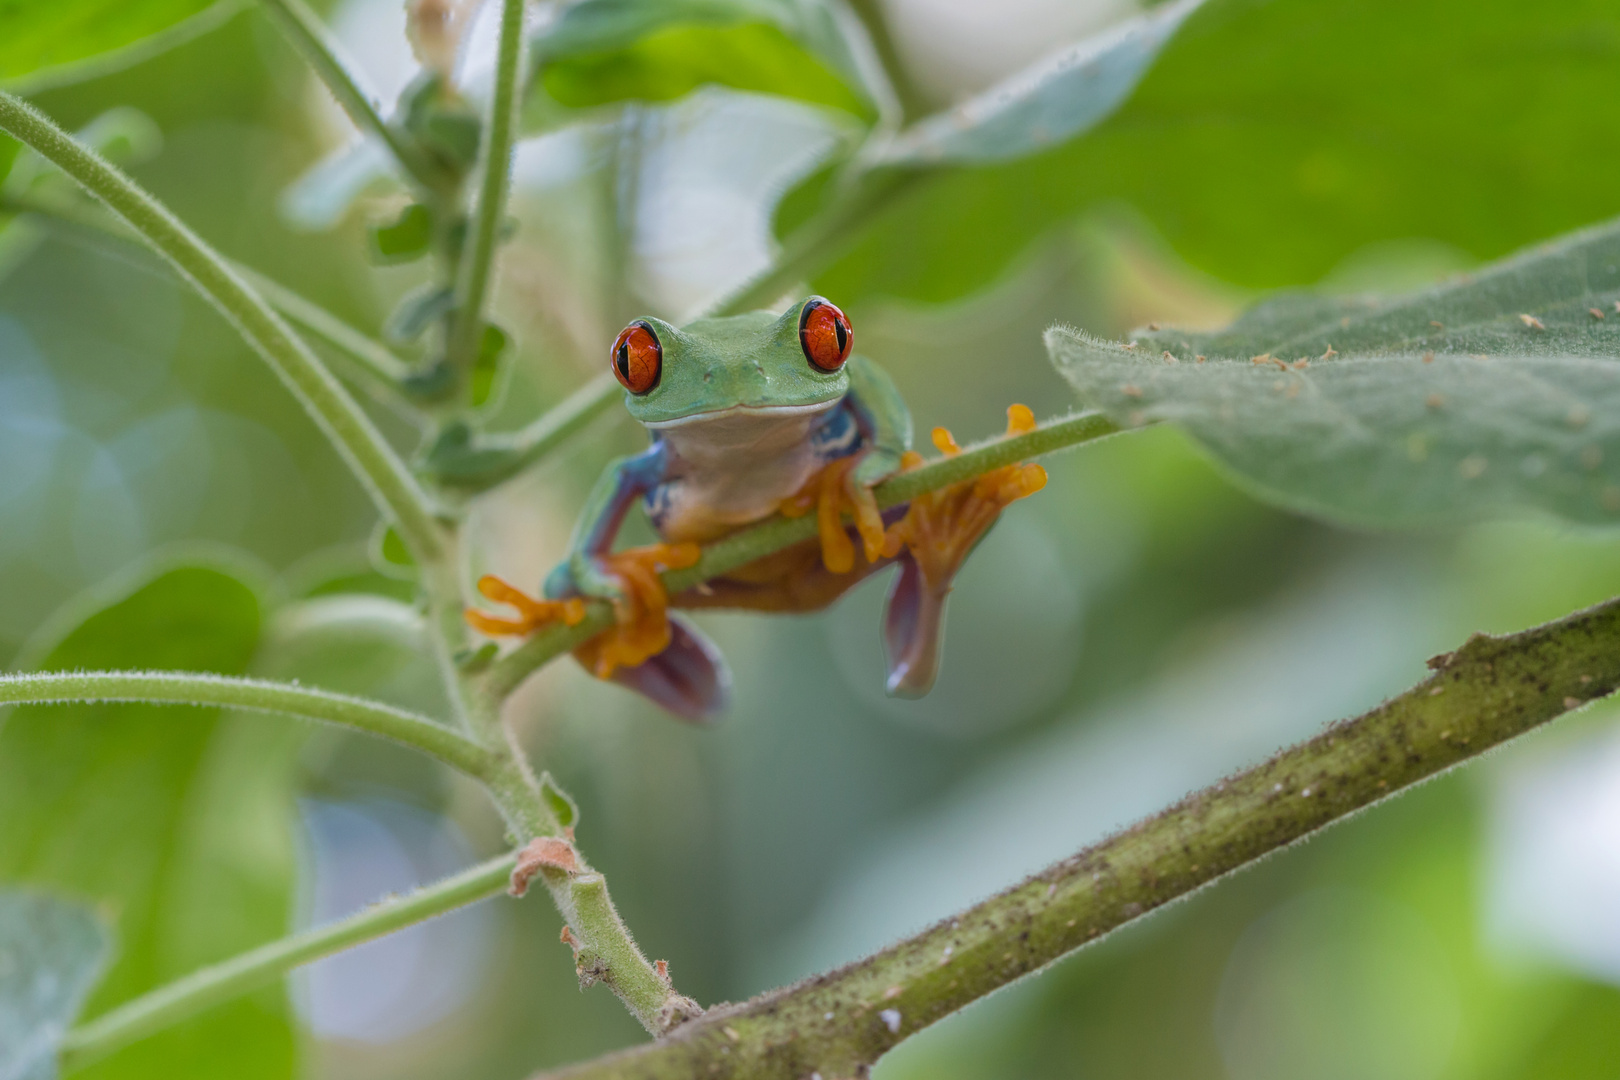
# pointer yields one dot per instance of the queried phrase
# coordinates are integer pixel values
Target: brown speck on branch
(1330, 353)
(1572, 703)
(1532, 322)
(1437, 325)
(1131, 390)
(1595, 312)
(543, 852)
(1428, 357)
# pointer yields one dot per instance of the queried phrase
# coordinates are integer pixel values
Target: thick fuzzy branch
(1489, 691)
(778, 532)
(368, 454)
(258, 695)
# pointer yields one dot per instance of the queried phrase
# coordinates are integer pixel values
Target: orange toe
(533, 613)
(832, 492)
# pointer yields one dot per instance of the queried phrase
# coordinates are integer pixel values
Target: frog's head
(756, 363)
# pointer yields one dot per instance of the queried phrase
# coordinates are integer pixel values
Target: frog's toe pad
(642, 629)
(533, 613)
(689, 678)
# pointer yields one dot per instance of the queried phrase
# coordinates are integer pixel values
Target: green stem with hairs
(778, 532)
(344, 423)
(257, 695)
(171, 1003)
(476, 267)
(487, 460)
(318, 48)
(1491, 690)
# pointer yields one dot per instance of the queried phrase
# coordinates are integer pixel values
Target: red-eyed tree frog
(752, 415)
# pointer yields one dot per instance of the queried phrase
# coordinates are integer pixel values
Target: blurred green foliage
(1142, 619)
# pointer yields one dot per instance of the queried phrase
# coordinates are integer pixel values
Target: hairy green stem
(489, 460)
(1489, 691)
(477, 264)
(258, 695)
(776, 533)
(154, 1011)
(304, 30)
(344, 423)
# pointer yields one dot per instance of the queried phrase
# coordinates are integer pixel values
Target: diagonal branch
(1489, 691)
(357, 440)
(776, 533)
(257, 695)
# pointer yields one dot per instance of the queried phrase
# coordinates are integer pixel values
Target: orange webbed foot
(533, 613)
(832, 492)
(941, 527)
(641, 629)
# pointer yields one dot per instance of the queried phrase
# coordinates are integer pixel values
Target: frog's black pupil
(624, 359)
(843, 336)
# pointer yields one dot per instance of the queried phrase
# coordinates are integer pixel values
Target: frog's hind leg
(939, 531)
(689, 677)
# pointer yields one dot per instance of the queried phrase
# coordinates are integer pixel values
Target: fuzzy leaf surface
(1497, 392)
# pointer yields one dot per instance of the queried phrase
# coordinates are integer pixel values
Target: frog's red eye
(638, 359)
(825, 334)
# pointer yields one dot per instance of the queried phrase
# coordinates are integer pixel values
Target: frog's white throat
(741, 412)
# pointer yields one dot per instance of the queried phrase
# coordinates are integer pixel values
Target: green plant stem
(306, 33)
(370, 355)
(1491, 690)
(345, 424)
(776, 533)
(210, 986)
(477, 264)
(491, 459)
(258, 695)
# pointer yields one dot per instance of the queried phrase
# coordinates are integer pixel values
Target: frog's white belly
(733, 469)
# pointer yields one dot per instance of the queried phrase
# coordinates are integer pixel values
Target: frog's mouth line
(739, 411)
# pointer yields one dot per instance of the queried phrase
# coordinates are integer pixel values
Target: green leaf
(53, 951)
(63, 41)
(489, 369)
(404, 239)
(1497, 392)
(600, 51)
(1047, 103)
(389, 555)
(172, 819)
(1271, 140)
(417, 310)
(561, 803)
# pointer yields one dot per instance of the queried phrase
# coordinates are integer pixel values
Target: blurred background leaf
(52, 951)
(65, 40)
(172, 820)
(1273, 138)
(600, 51)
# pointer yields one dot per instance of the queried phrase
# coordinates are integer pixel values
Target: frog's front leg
(844, 485)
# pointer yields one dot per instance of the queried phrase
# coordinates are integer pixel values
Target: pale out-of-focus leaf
(63, 41)
(1496, 392)
(1047, 103)
(599, 51)
(51, 952)
(176, 819)
(318, 199)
